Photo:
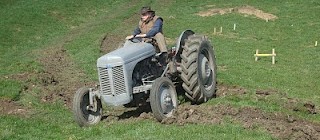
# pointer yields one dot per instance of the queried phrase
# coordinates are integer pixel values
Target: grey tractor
(133, 74)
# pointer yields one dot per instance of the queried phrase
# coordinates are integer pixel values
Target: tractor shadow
(143, 111)
(137, 112)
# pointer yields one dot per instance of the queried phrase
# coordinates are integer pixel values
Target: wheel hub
(166, 101)
(206, 71)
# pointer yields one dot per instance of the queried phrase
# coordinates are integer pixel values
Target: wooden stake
(220, 29)
(257, 52)
(316, 44)
(214, 30)
(273, 56)
(234, 26)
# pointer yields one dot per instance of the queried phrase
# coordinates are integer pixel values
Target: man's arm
(157, 27)
(136, 31)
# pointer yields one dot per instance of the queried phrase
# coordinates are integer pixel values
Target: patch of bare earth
(60, 78)
(224, 90)
(245, 10)
(9, 107)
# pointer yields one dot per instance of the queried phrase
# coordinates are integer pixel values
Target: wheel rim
(206, 70)
(167, 98)
(88, 114)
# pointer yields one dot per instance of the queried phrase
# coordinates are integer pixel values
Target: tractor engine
(117, 67)
(146, 70)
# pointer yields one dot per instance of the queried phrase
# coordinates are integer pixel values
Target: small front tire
(84, 116)
(163, 98)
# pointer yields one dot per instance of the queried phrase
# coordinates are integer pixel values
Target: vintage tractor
(133, 74)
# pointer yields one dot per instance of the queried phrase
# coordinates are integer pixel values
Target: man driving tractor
(138, 73)
(150, 27)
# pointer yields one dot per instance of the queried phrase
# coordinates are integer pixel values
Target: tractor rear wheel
(198, 69)
(83, 115)
(163, 98)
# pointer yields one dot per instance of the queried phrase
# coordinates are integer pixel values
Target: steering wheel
(135, 40)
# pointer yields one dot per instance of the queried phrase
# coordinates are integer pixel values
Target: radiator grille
(104, 81)
(117, 80)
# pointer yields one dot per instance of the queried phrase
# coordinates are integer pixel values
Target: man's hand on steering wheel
(130, 37)
(138, 35)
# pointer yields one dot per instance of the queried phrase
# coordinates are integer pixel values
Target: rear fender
(180, 43)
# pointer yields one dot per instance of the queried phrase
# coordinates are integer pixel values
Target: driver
(150, 26)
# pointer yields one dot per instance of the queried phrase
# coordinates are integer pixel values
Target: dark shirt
(157, 27)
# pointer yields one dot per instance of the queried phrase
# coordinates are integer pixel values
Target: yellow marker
(273, 55)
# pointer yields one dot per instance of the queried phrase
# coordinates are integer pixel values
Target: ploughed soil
(280, 125)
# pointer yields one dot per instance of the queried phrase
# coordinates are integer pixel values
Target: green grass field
(29, 27)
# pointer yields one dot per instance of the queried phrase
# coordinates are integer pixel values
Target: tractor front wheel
(84, 113)
(163, 98)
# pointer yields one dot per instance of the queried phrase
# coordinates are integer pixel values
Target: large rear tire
(198, 69)
(84, 116)
(163, 98)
